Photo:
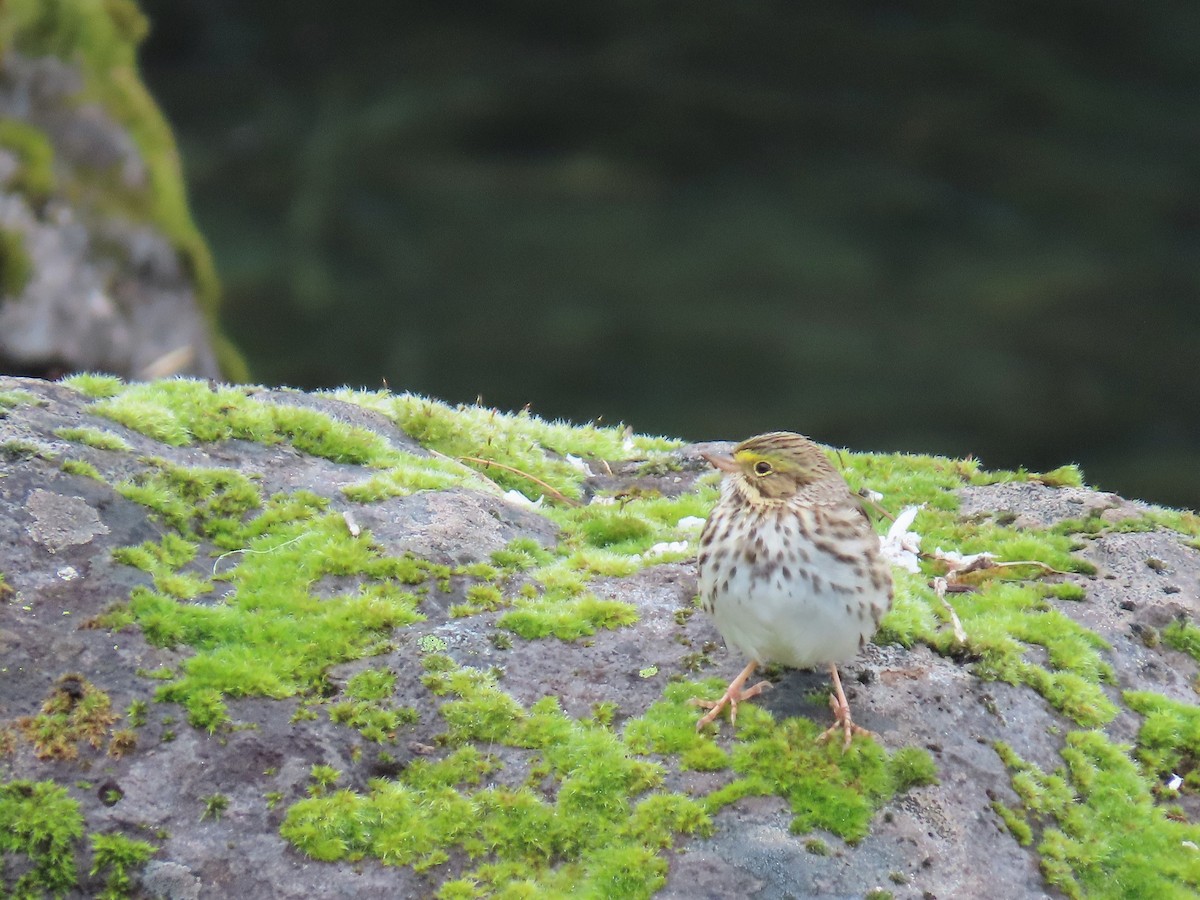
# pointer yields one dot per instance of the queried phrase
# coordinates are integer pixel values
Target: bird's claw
(843, 723)
(731, 698)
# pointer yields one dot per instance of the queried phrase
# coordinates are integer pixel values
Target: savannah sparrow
(790, 567)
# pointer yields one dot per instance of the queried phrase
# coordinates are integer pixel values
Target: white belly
(796, 629)
(794, 611)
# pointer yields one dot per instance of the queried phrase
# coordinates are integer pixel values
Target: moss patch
(41, 822)
(1184, 637)
(96, 438)
(826, 788)
(34, 177)
(15, 398)
(1169, 739)
(592, 817)
(517, 451)
(1101, 833)
(269, 636)
(367, 707)
(16, 267)
(75, 712)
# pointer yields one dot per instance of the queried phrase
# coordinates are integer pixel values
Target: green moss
(817, 847)
(371, 684)
(116, 857)
(374, 721)
(517, 451)
(34, 178)
(269, 636)
(18, 449)
(1184, 521)
(404, 477)
(1184, 637)
(1102, 835)
(1006, 615)
(16, 266)
(16, 398)
(1001, 622)
(1169, 739)
(136, 713)
(41, 822)
(94, 437)
(1067, 591)
(480, 598)
(214, 807)
(567, 620)
(324, 777)
(1063, 476)
(95, 385)
(1016, 823)
(195, 501)
(602, 824)
(826, 788)
(521, 554)
(181, 411)
(81, 468)
(616, 530)
(365, 709)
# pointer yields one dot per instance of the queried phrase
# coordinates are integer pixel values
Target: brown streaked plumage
(790, 567)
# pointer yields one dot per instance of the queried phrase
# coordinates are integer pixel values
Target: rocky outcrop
(101, 267)
(268, 644)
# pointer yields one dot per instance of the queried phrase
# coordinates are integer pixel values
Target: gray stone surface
(939, 841)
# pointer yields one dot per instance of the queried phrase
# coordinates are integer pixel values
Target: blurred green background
(938, 227)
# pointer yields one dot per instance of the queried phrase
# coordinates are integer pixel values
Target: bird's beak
(724, 463)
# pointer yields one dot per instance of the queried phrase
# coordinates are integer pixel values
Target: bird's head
(774, 466)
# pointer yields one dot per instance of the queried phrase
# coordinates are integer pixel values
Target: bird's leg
(841, 713)
(733, 696)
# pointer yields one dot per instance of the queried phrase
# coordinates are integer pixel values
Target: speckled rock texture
(939, 841)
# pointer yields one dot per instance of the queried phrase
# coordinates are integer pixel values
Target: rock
(219, 741)
(101, 268)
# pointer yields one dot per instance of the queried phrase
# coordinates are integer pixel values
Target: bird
(790, 568)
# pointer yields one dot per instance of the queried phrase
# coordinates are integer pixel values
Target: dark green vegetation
(268, 593)
(918, 226)
(16, 268)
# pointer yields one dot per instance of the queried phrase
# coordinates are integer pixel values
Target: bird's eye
(762, 467)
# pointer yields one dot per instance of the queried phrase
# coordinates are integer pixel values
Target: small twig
(474, 473)
(940, 586)
(864, 496)
(983, 563)
(1045, 567)
(556, 494)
